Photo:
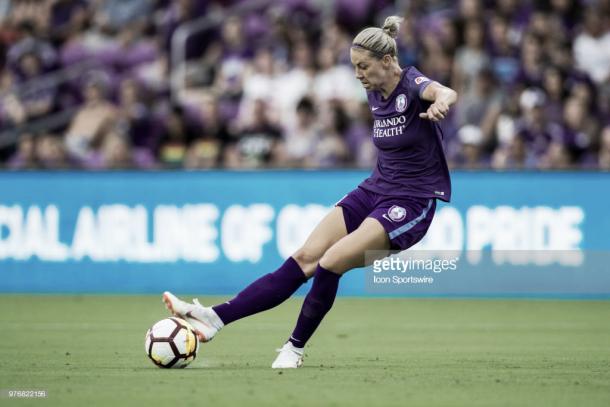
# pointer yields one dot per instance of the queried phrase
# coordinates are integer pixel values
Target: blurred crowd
(92, 84)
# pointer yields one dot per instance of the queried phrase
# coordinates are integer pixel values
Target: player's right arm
(441, 97)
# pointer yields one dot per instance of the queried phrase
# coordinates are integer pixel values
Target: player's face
(370, 71)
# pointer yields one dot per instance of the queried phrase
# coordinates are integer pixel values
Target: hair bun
(391, 26)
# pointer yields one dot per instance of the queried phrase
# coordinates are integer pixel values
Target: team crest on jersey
(421, 79)
(397, 213)
(401, 103)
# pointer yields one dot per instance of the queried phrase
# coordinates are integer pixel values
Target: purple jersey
(410, 160)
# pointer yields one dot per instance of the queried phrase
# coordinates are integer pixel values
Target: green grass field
(404, 352)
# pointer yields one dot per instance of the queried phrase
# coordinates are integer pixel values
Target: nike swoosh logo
(374, 108)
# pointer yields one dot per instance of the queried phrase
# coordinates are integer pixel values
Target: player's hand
(437, 111)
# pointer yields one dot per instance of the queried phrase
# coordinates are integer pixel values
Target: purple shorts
(405, 219)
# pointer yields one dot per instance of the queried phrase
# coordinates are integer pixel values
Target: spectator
(334, 81)
(556, 157)
(592, 47)
(532, 57)
(67, 17)
(408, 45)
(25, 156)
(579, 133)
(30, 43)
(258, 84)
(471, 154)
(301, 139)
(214, 126)
(259, 139)
(533, 126)
(470, 10)
(51, 152)
(295, 83)
(178, 133)
(35, 13)
(206, 150)
(332, 150)
(503, 51)
(471, 58)
(553, 84)
(14, 113)
(513, 155)
(92, 119)
(482, 106)
(568, 12)
(274, 86)
(37, 101)
(116, 152)
(231, 66)
(604, 150)
(134, 115)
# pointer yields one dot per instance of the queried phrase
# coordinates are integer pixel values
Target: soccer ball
(171, 343)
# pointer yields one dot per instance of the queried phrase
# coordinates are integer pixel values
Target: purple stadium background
(145, 84)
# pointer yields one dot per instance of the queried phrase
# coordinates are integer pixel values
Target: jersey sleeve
(416, 81)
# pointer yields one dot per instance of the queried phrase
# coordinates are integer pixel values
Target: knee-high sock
(317, 303)
(267, 292)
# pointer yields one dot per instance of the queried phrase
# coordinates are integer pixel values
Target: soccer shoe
(290, 357)
(204, 320)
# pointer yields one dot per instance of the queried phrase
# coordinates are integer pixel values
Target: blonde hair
(380, 41)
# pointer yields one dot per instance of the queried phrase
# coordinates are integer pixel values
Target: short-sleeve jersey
(410, 160)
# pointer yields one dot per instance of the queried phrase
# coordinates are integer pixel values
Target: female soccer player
(392, 209)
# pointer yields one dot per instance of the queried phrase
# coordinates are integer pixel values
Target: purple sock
(317, 303)
(267, 292)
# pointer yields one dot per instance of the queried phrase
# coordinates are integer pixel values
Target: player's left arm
(441, 97)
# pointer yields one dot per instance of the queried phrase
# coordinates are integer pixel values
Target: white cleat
(204, 320)
(290, 357)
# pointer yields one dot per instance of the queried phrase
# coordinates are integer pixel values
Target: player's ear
(386, 60)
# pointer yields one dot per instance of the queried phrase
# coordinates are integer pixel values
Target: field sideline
(415, 352)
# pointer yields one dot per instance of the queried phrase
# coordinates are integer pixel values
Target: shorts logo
(401, 103)
(421, 79)
(397, 213)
